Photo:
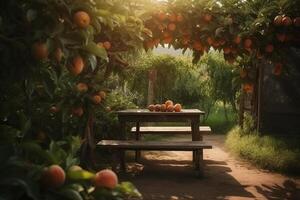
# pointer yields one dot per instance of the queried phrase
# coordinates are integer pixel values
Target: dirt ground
(170, 176)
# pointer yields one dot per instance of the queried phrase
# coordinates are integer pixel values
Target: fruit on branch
(106, 178)
(179, 18)
(53, 109)
(287, 21)
(76, 65)
(82, 87)
(247, 43)
(53, 176)
(58, 54)
(172, 17)
(96, 99)
(177, 107)
(248, 87)
(81, 19)
(161, 16)
(77, 111)
(151, 107)
(207, 17)
(107, 45)
(297, 22)
(269, 48)
(278, 20)
(102, 94)
(226, 50)
(277, 69)
(281, 37)
(237, 40)
(40, 51)
(171, 27)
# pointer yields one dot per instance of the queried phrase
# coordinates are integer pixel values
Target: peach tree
(56, 56)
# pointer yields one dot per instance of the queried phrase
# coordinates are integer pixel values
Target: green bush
(268, 152)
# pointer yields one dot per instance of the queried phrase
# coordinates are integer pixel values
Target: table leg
(199, 165)
(137, 137)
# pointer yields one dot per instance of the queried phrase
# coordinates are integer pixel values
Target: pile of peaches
(168, 106)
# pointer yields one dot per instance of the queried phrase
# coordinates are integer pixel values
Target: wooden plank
(153, 145)
(170, 129)
(142, 112)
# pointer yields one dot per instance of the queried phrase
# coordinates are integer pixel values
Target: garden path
(169, 176)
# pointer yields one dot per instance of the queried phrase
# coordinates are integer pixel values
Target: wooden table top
(142, 112)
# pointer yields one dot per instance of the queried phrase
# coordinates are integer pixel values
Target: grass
(267, 152)
(217, 121)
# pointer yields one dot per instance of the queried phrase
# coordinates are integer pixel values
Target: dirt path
(170, 176)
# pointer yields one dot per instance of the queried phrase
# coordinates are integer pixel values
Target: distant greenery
(268, 152)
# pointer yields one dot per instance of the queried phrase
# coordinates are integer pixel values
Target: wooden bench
(120, 146)
(170, 130)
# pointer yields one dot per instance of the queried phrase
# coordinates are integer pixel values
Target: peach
(106, 178)
(78, 111)
(170, 108)
(82, 19)
(76, 66)
(53, 176)
(169, 102)
(157, 107)
(96, 99)
(177, 107)
(82, 87)
(163, 108)
(151, 107)
(40, 51)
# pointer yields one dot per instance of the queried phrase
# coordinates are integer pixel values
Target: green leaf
(98, 51)
(71, 194)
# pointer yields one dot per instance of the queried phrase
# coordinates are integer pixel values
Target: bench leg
(137, 138)
(122, 160)
(199, 163)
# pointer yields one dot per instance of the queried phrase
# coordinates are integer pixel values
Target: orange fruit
(172, 17)
(278, 20)
(177, 107)
(58, 54)
(53, 176)
(207, 17)
(269, 48)
(248, 87)
(169, 102)
(197, 46)
(179, 18)
(168, 40)
(40, 51)
(226, 50)
(102, 94)
(277, 69)
(54, 109)
(78, 111)
(106, 178)
(172, 27)
(82, 87)
(81, 19)
(287, 21)
(170, 108)
(237, 40)
(161, 16)
(210, 41)
(243, 73)
(107, 45)
(247, 43)
(96, 99)
(76, 66)
(281, 37)
(151, 107)
(157, 107)
(163, 108)
(297, 22)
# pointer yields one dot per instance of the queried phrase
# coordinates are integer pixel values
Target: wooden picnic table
(144, 115)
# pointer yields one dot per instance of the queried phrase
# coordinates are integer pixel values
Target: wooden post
(259, 96)
(151, 84)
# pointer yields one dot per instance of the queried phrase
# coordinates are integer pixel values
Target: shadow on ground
(287, 191)
(176, 180)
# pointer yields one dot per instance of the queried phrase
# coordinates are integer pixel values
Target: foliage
(268, 152)
(55, 59)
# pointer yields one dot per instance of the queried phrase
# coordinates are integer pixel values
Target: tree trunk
(225, 110)
(241, 108)
(151, 84)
